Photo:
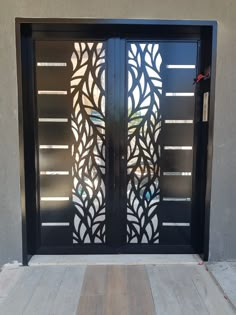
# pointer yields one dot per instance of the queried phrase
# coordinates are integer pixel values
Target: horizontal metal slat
(176, 135)
(171, 211)
(53, 51)
(175, 235)
(179, 80)
(52, 78)
(56, 235)
(54, 106)
(54, 133)
(176, 186)
(56, 211)
(55, 186)
(182, 53)
(54, 160)
(177, 107)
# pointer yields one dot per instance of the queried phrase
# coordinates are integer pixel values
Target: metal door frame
(206, 31)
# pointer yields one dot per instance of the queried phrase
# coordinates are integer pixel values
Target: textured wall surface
(223, 209)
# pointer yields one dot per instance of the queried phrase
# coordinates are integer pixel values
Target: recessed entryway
(117, 136)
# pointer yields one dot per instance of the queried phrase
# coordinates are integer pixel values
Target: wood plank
(188, 296)
(211, 294)
(45, 292)
(68, 294)
(93, 291)
(140, 300)
(21, 294)
(163, 292)
(90, 305)
(116, 279)
(115, 300)
(94, 281)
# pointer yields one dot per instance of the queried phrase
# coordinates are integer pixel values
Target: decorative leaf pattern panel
(88, 148)
(143, 150)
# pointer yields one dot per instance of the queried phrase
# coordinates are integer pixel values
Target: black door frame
(25, 28)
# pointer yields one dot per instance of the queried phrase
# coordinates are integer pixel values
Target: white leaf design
(76, 222)
(144, 124)
(88, 86)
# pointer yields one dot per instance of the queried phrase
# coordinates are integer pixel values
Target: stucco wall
(223, 212)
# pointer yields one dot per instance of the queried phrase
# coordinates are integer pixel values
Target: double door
(115, 132)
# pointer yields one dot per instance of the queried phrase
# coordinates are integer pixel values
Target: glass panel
(88, 148)
(179, 121)
(177, 148)
(51, 64)
(175, 224)
(144, 124)
(180, 66)
(179, 94)
(48, 92)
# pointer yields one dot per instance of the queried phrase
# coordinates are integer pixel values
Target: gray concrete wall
(223, 210)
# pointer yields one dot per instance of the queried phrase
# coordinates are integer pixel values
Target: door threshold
(123, 259)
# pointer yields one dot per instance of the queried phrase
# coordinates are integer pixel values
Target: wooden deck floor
(111, 290)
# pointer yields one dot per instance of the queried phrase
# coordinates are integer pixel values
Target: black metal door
(115, 145)
(159, 129)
